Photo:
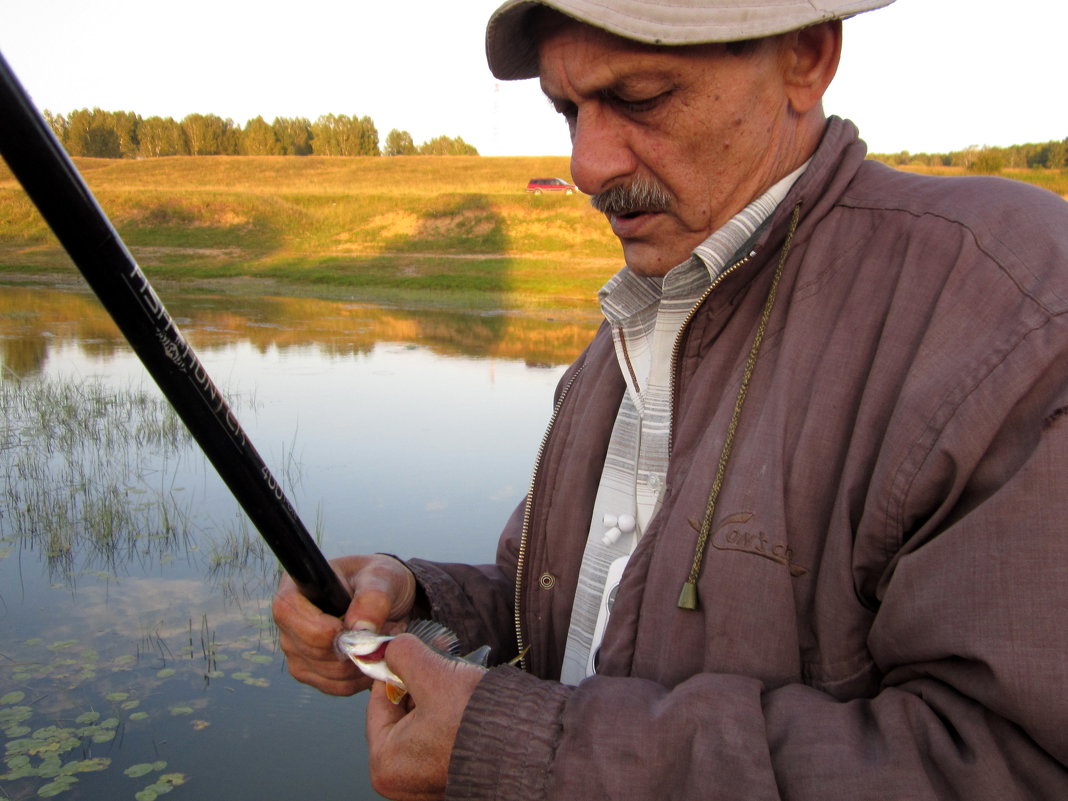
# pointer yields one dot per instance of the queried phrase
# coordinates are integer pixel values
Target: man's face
(706, 127)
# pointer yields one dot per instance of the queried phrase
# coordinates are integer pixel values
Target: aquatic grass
(88, 471)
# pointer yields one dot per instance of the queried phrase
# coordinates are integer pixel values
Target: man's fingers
(427, 673)
(383, 590)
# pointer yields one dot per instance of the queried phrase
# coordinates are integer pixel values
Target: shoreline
(471, 303)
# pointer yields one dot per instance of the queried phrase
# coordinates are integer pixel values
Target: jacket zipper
(521, 557)
(719, 279)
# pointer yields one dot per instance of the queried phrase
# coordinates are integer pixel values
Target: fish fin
(479, 656)
(394, 693)
(436, 636)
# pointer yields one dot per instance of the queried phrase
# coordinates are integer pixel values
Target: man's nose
(601, 153)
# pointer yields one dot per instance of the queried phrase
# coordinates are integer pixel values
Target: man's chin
(646, 258)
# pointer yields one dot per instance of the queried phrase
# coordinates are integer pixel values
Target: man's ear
(810, 60)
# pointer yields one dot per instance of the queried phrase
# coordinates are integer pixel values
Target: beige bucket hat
(512, 53)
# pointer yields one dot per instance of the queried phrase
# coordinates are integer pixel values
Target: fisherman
(798, 528)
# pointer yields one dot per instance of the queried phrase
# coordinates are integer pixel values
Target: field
(444, 231)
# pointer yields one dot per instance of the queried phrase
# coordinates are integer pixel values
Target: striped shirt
(647, 314)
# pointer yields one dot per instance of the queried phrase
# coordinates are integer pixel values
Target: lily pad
(142, 769)
(85, 766)
(166, 672)
(87, 717)
(117, 696)
(181, 710)
(54, 788)
(12, 697)
(25, 772)
(15, 714)
(49, 767)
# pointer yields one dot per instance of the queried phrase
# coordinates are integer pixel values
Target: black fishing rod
(54, 185)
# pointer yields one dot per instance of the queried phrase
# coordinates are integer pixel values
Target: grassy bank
(448, 231)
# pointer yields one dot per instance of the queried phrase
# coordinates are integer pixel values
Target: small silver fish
(367, 650)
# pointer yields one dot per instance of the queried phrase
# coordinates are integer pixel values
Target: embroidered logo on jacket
(736, 534)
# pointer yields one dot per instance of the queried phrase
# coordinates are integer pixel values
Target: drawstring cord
(688, 595)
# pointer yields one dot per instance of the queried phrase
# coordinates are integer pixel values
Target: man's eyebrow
(627, 83)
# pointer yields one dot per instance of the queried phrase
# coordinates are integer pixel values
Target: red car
(539, 185)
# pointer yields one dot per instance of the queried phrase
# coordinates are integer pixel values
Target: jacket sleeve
(969, 639)
(476, 601)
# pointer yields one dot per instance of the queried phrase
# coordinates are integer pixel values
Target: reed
(88, 474)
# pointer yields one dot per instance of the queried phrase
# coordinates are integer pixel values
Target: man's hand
(410, 744)
(383, 591)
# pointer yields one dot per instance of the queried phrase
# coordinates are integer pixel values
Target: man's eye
(636, 105)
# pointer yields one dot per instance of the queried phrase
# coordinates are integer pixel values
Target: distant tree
(329, 135)
(126, 125)
(447, 146)
(987, 160)
(1057, 155)
(399, 143)
(294, 135)
(160, 136)
(259, 139)
(368, 138)
(92, 133)
(58, 124)
(209, 135)
(341, 135)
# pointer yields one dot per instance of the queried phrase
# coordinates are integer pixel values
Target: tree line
(124, 134)
(1052, 155)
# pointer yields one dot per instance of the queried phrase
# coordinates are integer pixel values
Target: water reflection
(393, 430)
(34, 320)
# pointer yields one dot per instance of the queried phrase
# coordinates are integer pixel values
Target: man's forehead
(591, 60)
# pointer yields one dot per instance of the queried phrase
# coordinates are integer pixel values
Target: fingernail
(364, 625)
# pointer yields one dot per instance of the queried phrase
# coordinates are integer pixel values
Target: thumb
(418, 665)
(430, 675)
(383, 590)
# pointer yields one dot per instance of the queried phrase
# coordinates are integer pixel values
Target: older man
(797, 529)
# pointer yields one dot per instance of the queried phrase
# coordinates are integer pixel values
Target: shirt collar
(627, 293)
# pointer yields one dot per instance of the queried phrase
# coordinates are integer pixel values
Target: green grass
(459, 228)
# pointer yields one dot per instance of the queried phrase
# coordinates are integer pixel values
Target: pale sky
(919, 75)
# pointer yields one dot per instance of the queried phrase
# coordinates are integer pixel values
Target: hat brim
(512, 51)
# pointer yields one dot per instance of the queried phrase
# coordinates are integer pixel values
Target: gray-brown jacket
(883, 595)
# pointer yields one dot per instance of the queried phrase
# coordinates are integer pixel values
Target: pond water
(137, 654)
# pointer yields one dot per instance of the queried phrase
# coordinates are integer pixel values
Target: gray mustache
(640, 195)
